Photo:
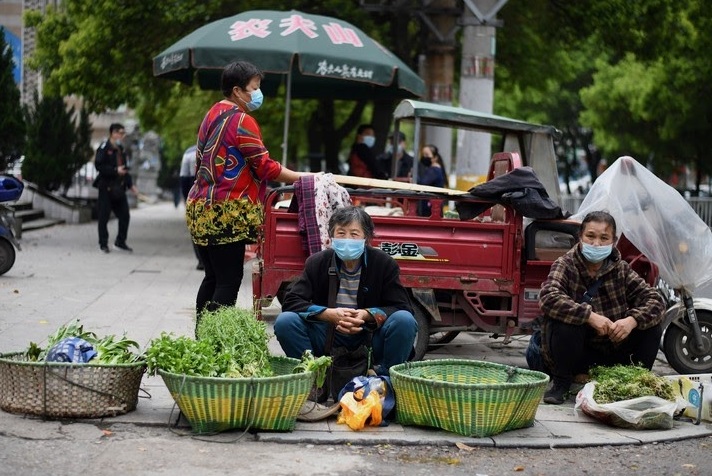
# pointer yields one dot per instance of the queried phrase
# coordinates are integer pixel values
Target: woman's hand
(620, 330)
(600, 323)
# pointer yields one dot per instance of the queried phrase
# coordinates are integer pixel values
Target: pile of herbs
(624, 382)
(230, 343)
(236, 333)
(110, 350)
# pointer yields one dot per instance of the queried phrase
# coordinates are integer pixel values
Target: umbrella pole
(287, 110)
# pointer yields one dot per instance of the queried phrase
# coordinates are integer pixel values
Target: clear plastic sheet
(656, 219)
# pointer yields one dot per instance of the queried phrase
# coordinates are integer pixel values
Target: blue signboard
(16, 45)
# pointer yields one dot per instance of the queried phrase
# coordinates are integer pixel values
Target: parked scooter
(687, 339)
(10, 190)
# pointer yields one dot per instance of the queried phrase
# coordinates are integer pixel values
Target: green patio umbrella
(318, 56)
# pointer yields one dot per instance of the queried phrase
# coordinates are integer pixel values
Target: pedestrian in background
(187, 177)
(362, 158)
(431, 172)
(404, 161)
(224, 206)
(112, 181)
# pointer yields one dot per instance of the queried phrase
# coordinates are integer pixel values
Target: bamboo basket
(214, 404)
(467, 397)
(58, 390)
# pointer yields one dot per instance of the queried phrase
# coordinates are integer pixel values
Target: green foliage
(56, 147)
(181, 355)
(633, 74)
(318, 365)
(114, 350)
(570, 64)
(624, 382)
(12, 125)
(103, 51)
(238, 333)
(231, 343)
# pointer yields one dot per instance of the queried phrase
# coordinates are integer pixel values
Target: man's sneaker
(123, 246)
(557, 393)
(104, 249)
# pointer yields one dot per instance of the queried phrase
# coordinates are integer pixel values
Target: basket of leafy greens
(227, 379)
(105, 384)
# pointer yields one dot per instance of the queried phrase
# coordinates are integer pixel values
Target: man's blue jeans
(392, 343)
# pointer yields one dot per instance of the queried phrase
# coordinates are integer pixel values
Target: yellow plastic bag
(356, 410)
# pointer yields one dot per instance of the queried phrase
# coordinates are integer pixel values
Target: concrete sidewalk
(61, 275)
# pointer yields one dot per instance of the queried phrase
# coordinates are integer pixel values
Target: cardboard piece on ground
(697, 392)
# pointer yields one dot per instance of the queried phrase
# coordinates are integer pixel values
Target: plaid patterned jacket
(622, 293)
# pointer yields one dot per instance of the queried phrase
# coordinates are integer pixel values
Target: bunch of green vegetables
(238, 334)
(318, 365)
(624, 382)
(182, 355)
(110, 350)
(230, 343)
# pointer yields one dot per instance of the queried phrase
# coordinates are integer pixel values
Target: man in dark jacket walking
(113, 181)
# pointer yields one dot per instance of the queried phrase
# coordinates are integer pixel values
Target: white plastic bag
(656, 219)
(643, 413)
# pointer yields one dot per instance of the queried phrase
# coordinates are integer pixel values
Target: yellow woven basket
(215, 404)
(468, 397)
(68, 390)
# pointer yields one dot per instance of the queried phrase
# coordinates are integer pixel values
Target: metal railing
(701, 205)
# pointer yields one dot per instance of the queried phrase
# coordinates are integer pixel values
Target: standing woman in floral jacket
(224, 206)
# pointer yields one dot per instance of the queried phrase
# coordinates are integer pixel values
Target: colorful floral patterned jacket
(224, 204)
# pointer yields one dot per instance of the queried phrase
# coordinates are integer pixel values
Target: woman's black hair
(239, 74)
(344, 216)
(436, 154)
(599, 216)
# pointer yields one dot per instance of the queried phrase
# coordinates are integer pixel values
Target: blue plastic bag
(71, 349)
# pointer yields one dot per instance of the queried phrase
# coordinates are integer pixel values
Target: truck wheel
(681, 352)
(7, 256)
(438, 339)
(421, 339)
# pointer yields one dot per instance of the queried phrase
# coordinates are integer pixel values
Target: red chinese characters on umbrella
(295, 23)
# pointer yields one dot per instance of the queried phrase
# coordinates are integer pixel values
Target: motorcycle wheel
(681, 352)
(438, 339)
(420, 347)
(7, 256)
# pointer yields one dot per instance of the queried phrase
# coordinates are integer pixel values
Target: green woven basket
(68, 390)
(215, 404)
(467, 397)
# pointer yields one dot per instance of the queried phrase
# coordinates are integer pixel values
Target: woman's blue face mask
(348, 249)
(256, 99)
(596, 254)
